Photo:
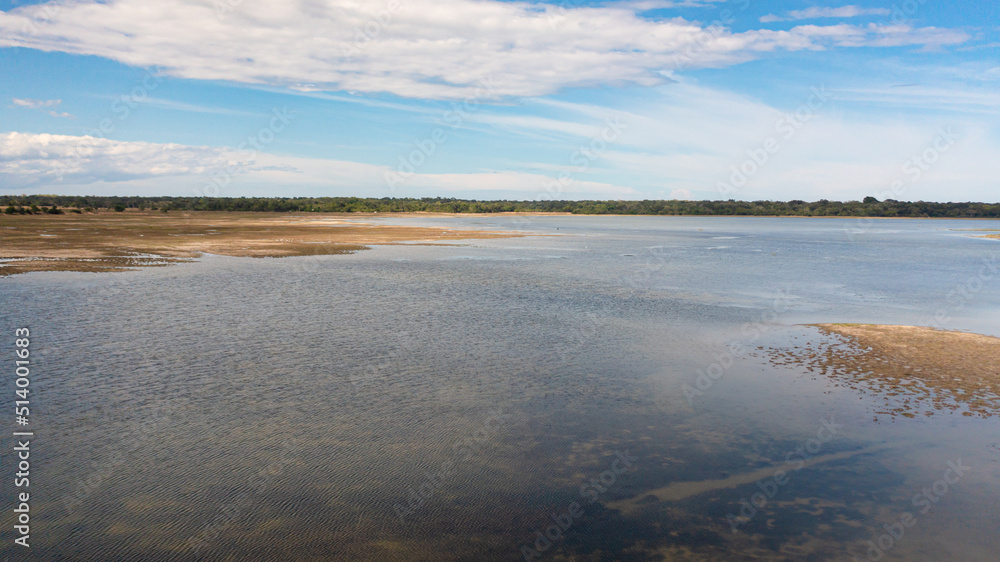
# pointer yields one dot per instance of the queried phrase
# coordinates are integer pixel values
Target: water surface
(454, 402)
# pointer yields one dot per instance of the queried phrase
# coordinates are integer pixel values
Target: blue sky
(633, 99)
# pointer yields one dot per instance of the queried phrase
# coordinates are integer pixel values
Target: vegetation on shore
(869, 207)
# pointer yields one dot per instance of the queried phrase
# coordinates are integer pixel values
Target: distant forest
(869, 207)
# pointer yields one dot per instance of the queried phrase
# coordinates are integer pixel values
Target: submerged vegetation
(869, 207)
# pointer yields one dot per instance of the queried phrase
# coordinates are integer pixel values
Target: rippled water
(455, 402)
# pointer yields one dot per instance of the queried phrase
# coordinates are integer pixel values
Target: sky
(486, 99)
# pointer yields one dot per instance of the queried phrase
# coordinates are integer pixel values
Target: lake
(599, 390)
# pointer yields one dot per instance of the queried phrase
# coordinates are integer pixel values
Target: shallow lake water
(573, 394)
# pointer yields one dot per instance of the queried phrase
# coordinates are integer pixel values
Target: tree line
(869, 207)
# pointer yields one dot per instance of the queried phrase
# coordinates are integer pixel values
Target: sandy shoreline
(110, 241)
(918, 370)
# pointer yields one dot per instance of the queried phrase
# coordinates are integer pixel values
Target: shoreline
(564, 214)
(174, 213)
(115, 241)
(916, 369)
(110, 241)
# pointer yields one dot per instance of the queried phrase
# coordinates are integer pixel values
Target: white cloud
(524, 185)
(80, 165)
(35, 104)
(990, 75)
(418, 48)
(194, 108)
(30, 160)
(678, 140)
(647, 5)
(41, 105)
(900, 35)
(685, 137)
(817, 12)
(922, 97)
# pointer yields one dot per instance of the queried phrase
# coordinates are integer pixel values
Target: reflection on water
(454, 403)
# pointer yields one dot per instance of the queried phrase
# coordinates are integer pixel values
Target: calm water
(460, 402)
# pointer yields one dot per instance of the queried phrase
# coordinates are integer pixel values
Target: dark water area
(592, 383)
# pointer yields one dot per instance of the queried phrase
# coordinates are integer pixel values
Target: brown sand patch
(111, 241)
(915, 369)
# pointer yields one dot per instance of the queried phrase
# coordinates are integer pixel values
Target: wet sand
(110, 241)
(918, 370)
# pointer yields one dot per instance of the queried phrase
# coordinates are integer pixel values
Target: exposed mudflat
(110, 241)
(917, 369)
